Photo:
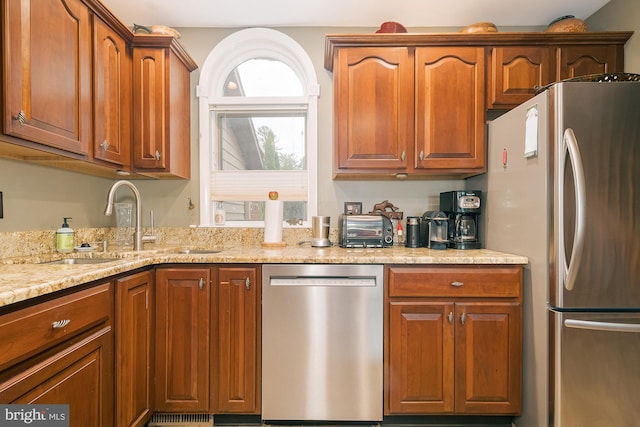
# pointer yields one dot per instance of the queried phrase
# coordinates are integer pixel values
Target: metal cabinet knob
(201, 283)
(104, 145)
(463, 318)
(421, 155)
(247, 284)
(157, 155)
(403, 156)
(450, 317)
(21, 118)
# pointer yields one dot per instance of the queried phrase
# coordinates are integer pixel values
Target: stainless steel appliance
(320, 231)
(413, 232)
(434, 230)
(364, 231)
(463, 209)
(322, 336)
(563, 188)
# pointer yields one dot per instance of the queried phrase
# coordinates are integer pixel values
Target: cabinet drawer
(31, 330)
(500, 282)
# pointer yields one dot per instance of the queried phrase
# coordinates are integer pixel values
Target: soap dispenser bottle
(64, 237)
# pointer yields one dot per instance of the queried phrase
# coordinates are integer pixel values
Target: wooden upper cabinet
(47, 67)
(450, 109)
(149, 108)
(112, 91)
(161, 107)
(578, 60)
(408, 111)
(373, 114)
(515, 72)
(531, 60)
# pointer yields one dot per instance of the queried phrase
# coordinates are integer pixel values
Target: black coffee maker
(463, 208)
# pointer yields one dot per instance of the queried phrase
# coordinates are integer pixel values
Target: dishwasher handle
(325, 281)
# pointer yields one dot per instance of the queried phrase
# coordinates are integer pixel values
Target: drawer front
(484, 281)
(31, 330)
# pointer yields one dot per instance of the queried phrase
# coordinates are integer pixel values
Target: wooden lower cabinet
(183, 310)
(236, 340)
(64, 355)
(454, 340)
(134, 349)
(208, 339)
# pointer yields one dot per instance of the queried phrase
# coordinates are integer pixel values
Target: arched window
(258, 96)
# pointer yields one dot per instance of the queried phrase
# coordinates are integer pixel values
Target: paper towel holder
(273, 222)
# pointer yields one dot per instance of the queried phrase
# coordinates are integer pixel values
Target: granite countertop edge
(22, 279)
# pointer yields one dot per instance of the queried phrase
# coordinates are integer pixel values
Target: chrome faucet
(138, 237)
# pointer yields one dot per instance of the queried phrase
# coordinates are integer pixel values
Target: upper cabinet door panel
(450, 105)
(575, 61)
(149, 108)
(514, 72)
(112, 91)
(373, 108)
(47, 58)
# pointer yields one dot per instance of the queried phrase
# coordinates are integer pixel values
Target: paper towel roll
(273, 221)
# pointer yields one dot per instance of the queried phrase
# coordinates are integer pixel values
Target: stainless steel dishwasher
(322, 338)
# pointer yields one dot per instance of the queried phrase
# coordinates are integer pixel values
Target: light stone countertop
(24, 278)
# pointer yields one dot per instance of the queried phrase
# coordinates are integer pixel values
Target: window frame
(223, 59)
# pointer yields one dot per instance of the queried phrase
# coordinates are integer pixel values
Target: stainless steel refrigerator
(563, 188)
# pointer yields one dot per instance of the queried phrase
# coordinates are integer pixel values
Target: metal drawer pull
(201, 283)
(247, 283)
(463, 318)
(450, 317)
(457, 284)
(59, 324)
(157, 155)
(403, 156)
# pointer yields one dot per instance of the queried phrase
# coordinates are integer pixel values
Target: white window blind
(256, 185)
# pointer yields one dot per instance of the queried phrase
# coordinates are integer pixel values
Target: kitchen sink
(79, 261)
(198, 251)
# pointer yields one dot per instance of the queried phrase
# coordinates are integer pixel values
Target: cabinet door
(112, 91)
(237, 340)
(149, 108)
(488, 358)
(421, 363)
(80, 375)
(575, 61)
(450, 109)
(134, 349)
(514, 72)
(47, 85)
(373, 115)
(182, 339)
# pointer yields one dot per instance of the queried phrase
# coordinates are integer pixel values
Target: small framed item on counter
(352, 208)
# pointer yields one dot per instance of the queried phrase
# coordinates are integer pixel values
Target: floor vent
(181, 420)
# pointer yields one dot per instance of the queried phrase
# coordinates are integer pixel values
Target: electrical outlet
(1, 212)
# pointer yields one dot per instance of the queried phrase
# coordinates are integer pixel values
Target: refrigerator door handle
(570, 144)
(602, 326)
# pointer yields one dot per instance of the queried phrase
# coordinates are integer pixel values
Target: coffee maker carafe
(463, 209)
